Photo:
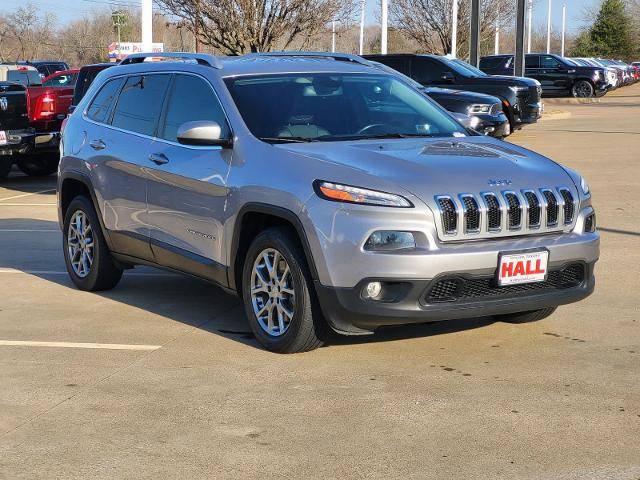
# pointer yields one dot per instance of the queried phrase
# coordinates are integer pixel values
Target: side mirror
(203, 133)
(448, 77)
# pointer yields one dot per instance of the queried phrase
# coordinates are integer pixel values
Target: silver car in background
(328, 195)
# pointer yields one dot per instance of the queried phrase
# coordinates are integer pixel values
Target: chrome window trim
(155, 138)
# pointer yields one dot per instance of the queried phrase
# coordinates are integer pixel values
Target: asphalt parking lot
(159, 378)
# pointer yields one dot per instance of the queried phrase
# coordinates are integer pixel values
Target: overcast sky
(67, 10)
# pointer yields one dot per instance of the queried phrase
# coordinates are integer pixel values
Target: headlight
(479, 108)
(518, 89)
(584, 186)
(389, 241)
(474, 122)
(348, 194)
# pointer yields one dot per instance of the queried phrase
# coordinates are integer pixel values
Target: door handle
(98, 144)
(158, 158)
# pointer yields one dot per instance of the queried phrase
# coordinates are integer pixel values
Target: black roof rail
(200, 58)
(341, 57)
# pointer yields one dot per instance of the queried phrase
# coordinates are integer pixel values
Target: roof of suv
(256, 64)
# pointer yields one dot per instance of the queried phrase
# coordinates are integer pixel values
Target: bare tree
(241, 26)
(428, 22)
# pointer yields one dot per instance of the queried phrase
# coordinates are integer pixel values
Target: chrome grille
(506, 213)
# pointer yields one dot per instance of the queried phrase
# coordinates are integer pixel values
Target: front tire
(278, 295)
(582, 89)
(86, 255)
(526, 317)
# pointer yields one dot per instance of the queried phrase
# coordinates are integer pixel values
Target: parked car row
(561, 76)
(355, 204)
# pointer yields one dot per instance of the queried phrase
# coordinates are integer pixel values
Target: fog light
(373, 290)
(590, 223)
(385, 241)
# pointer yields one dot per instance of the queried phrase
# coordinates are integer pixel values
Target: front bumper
(18, 141)
(494, 125)
(349, 312)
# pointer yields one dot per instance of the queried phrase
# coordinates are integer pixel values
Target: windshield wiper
(384, 135)
(287, 139)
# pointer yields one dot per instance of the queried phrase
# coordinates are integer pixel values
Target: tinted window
(25, 77)
(103, 101)
(532, 61)
(495, 62)
(66, 80)
(140, 103)
(547, 61)
(399, 64)
(424, 70)
(191, 99)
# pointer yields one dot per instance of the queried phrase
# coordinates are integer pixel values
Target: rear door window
(140, 103)
(102, 103)
(191, 99)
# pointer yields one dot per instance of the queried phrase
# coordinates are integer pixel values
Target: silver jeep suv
(328, 194)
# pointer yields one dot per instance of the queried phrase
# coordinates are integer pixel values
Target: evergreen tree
(611, 33)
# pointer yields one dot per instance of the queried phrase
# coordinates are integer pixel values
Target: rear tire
(5, 168)
(290, 321)
(526, 317)
(582, 89)
(96, 270)
(38, 165)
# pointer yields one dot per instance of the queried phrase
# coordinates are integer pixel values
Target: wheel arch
(254, 218)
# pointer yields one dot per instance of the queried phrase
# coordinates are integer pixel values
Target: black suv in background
(520, 97)
(47, 67)
(15, 134)
(86, 76)
(555, 74)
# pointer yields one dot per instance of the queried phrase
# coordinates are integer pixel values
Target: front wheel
(582, 89)
(87, 257)
(526, 317)
(278, 295)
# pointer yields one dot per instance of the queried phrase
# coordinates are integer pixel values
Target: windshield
(464, 68)
(330, 107)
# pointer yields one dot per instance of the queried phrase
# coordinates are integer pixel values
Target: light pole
(147, 25)
(333, 36)
(383, 17)
(454, 28)
(549, 29)
(529, 26)
(564, 24)
(362, 5)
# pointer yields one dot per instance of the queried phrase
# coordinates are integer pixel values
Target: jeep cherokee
(322, 192)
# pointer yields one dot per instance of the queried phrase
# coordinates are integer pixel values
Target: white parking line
(27, 204)
(27, 194)
(19, 230)
(103, 346)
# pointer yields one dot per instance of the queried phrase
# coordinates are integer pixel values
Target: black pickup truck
(16, 137)
(520, 97)
(555, 73)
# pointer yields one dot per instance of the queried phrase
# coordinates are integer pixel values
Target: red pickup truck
(48, 106)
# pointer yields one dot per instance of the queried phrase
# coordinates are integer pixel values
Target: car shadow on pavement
(20, 183)
(176, 297)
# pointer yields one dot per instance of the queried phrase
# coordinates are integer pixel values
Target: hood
(506, 80)
(435, 166)
(460, 95)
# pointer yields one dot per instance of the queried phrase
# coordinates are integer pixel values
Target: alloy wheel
(80, 244)
(272, 292)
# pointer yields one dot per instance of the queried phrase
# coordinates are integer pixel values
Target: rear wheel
(87, 257)
(278, 294)
(526, 317)
(582, 89)
(40, 165)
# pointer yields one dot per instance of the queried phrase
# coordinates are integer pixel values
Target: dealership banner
(118, 51)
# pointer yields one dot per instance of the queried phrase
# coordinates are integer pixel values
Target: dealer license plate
(527, 267)
(3, 137)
